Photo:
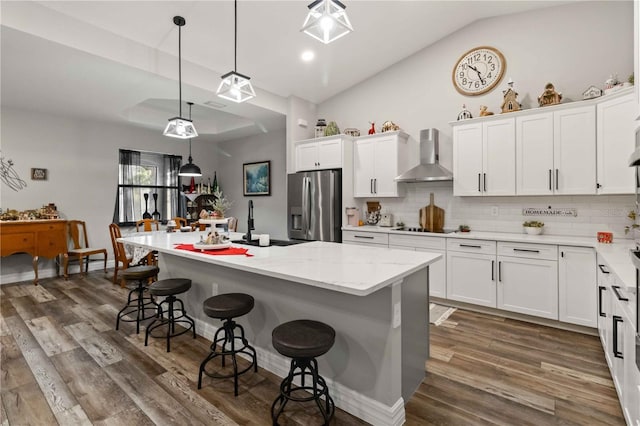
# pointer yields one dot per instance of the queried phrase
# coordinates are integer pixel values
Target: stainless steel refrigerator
(314, 206)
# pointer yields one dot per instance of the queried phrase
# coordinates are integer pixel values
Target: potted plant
(533, 227)
(634, 225)
(464, 228)
(220, 204)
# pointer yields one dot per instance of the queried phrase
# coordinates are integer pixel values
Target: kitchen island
(376, 300)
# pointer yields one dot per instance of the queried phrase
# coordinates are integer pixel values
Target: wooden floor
(62, 362)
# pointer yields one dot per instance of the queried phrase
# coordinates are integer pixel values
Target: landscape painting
(257, 178)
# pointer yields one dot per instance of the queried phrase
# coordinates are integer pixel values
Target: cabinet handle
(616, 290)
(493, 272)
(500, 271)
(604, 271)
(527, 250)
(371, 185)
(470, 246)
(375, 186)
(556, 179)
(484, 181)
(479, 190)
(363, 236)
(600, 288)
(616, 321)
(550, 188)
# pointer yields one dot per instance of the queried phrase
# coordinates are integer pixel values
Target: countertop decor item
(372, 130)
(320, 126)
(465, 114)
(352, 132)
(332, 129)
(510, 103)
(220, 204)
(478, 71)
(533, 227)
(179, 127)
(373, 212)
(432, 216)
(591, 92)
(549, 96)
(484, 112)
(234, 86)
(464, 228)
(389, 126)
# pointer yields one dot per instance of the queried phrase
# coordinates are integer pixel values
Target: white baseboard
(347, 399)
(74, 268)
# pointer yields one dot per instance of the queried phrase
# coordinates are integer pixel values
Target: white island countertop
(344, 268)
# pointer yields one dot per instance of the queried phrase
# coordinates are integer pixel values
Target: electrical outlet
(495, 211)
(397, 315)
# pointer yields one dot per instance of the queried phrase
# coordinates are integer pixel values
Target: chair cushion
(140, 272)
(170, 286)
(303, 338)
(228, 305)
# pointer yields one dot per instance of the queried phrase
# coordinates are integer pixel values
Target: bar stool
(303, 341)
(226, 307)
(140, 303)
(169, 288)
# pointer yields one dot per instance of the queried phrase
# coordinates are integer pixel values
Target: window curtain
(128, 165)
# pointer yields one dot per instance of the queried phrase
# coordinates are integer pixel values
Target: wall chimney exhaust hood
(429, 170)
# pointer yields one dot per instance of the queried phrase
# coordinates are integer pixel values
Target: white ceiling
(58, 56)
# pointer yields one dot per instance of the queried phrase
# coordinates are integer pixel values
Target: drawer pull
(616, 290)
(363, 236)
(602, 314)
(470, 246)
(604, 271)
(493, 270)
(616, 352)
(527, 250)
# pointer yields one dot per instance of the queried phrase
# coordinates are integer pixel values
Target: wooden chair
(200, 226)
(180, 221)
(81, 248)
(119, 253)
(147, 225)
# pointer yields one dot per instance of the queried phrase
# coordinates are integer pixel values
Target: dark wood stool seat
(303, 341)
(226, 307)
(170, 288)
(137, 302)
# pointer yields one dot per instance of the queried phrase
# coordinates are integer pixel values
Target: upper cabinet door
(306, 156)
(499, 154)
(615, 135)
(330, 154)
(574, 132)
(467, 160)
(534, 154)
(386, 167)
(363, 169)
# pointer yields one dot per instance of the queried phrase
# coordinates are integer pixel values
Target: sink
(272, 242)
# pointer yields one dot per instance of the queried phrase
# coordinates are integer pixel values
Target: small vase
(533, 230)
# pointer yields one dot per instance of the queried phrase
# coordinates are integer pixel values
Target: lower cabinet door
(437, 275)
(631, 392)
(578, 290)
(528, 286)
(471, 278)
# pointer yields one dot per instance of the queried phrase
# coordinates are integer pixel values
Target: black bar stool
(137, 302)
(170, 288)
(226, 307)
(303, 341)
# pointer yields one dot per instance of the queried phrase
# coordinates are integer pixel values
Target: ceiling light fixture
(179, 127)
(235, 86)
(327, 21)
(190, 169)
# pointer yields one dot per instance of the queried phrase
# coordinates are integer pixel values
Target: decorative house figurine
(549, 96)
(465, 114)
(591, 92)
(484, 112)
(320, 126)
(510, 103)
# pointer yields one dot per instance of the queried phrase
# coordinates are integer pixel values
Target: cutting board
(432, 217)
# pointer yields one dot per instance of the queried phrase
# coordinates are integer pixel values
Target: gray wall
(573, 46)
(269, 211)
(82, 162)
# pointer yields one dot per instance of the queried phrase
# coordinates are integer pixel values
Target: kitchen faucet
(250, 226)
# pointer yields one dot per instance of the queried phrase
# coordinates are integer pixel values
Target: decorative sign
(38, 174)
(531, 211)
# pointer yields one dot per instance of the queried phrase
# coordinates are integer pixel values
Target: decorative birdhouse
(510, 103)
(591, 92)
(549, 96)
(465, 114)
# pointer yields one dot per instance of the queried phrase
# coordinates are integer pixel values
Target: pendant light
(327, 21)
(190, 169)
(235, 86)
(179, 127)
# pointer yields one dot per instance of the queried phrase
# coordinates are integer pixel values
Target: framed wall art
(257, 178)
(38, 174)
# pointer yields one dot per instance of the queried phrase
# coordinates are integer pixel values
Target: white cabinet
(379, 239)
(578, 291)
(528, 279)
(534, 154)
(631, 392)
(615, 136)
(319, 154)
(471, 271)
(604, 307)
(437, 270)
(483, 158)
(377, 160)
(636, 54)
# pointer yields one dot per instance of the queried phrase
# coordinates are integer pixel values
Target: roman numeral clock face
(478, 71)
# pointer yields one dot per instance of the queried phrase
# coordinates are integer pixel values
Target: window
(148, 186)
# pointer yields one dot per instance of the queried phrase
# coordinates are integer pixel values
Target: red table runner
(226, 251)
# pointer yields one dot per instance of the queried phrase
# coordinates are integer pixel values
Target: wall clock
(478, 71)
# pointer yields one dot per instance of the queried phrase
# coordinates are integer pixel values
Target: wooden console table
(47, 238)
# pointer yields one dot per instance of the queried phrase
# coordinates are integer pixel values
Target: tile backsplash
(594, 213)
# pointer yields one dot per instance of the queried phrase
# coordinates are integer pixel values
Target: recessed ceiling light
(308, 56)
